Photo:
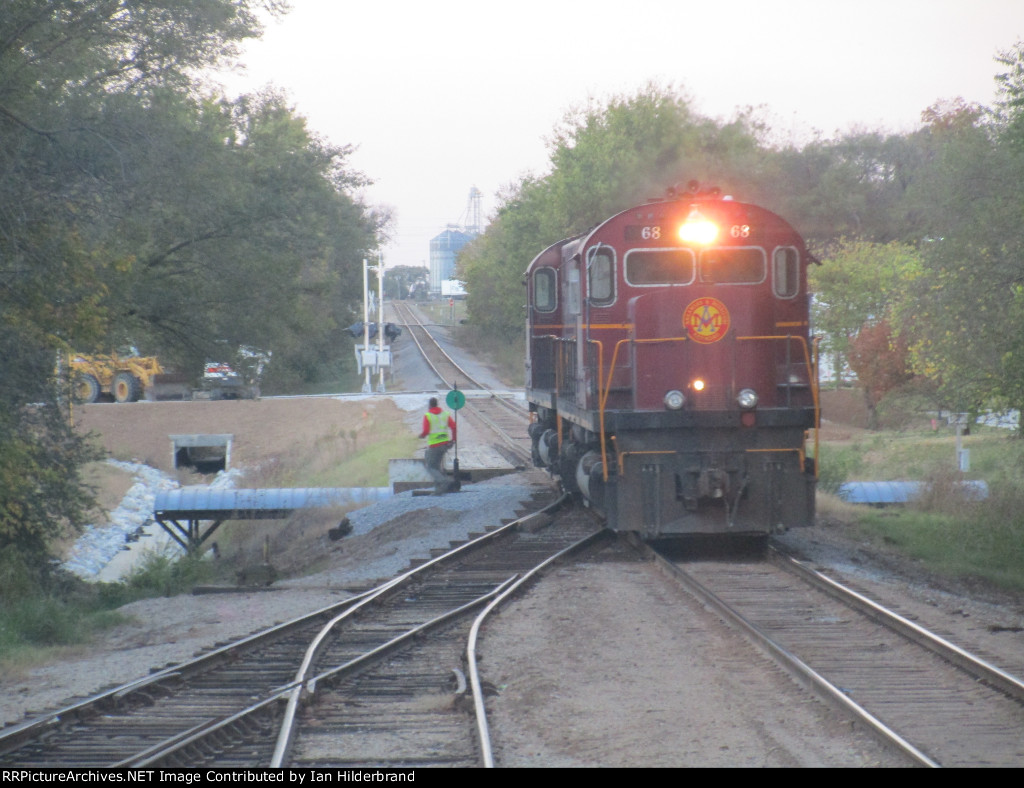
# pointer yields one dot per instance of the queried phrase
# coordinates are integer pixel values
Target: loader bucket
(169, 386)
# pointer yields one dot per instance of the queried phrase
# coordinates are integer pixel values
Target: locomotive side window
(733, 265)
(601, 275)
(545, 291)
(786, 264)
(660, 266)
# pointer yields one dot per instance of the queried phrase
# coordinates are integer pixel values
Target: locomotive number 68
(670, 369)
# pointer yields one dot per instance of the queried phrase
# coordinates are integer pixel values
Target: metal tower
(473, 218)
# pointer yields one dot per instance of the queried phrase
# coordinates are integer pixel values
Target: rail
(795, 666)
(480, 709)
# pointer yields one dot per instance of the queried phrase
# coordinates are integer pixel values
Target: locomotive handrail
(603, 395)
(603, 392)
(815, 388)
(812, 380)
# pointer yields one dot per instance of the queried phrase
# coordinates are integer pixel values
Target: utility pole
(366, 325)
(380, 322)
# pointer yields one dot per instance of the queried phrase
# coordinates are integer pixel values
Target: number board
(633, 233)
(642, 232)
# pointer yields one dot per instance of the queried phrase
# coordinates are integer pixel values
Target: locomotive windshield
(660, 266)
(733, 266)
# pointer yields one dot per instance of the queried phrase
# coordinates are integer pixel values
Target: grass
(441, 314)
(505, 356)
(43, 614)
(948, 533)
(356, 457)
(978, 545)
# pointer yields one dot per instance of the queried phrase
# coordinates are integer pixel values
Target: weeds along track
(932, 700)
(377, 680)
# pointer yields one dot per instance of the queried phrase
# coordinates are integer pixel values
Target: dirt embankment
(261, 429)
(277, 442)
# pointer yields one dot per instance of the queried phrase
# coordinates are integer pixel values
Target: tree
(131, 207)
(858, 284)
(964, 314)
(880, 359)
(604, 158)
(1010, 107)
(401, 280)
(493, 264)
(41, 489)
(240, 227)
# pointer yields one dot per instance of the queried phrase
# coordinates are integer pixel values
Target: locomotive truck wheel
(567, 459)
(86, 388)
(126, 387)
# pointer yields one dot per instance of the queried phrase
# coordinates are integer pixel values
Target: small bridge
(181, 513)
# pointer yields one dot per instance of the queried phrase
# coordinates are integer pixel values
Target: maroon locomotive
(670, 368)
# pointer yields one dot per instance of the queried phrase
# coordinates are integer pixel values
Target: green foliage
(1010, 107)
(42, 495)
(920, 230)
(603, 160)
(40, 621)
(492, 265)
(945, 528)
(240, 230)
(135, 210)
(401, 279)
(859, 282)
(985, 544)
(964, 313)
(163, 575)
(853, 186)
(44, 607)
(837, 465)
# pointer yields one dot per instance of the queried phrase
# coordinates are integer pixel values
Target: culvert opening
(202, 453)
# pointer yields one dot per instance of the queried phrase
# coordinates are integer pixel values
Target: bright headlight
(697, 229)
(747, 399)
(674, 400)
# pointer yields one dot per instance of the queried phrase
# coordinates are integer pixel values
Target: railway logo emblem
(706, 320)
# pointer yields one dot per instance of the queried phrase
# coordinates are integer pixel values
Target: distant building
(444, 248)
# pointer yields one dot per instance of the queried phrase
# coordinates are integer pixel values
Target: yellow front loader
(125, 378)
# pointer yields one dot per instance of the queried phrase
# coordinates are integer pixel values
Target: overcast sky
(441, 96)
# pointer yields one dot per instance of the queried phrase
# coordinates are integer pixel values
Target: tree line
(140, 207)
(919, 234)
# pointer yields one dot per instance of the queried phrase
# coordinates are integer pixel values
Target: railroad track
(505, 415)
(938, 704)
(935, 702)
(377, 680)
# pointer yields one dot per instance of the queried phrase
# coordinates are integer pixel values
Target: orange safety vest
(438, 427)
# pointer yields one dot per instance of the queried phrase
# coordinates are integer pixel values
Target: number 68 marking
(650, 233)
(740, 231)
